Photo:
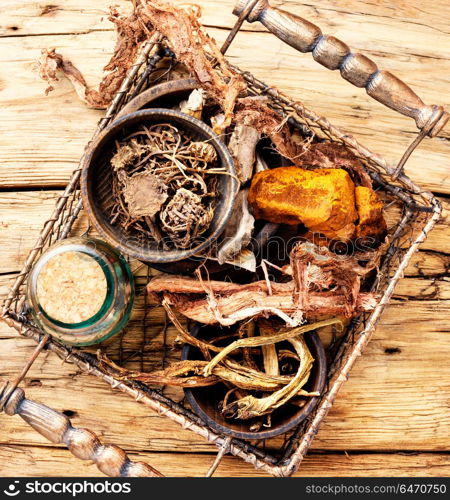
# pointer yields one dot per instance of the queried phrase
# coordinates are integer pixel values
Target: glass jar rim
(86, 249)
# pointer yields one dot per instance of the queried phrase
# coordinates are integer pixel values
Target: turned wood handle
(83, 443)
(355, 68)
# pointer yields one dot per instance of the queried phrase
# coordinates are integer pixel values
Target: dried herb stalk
(266, 340)
(186, 336)
(323, 284)
(270, 357)
(233, 303)
(190, 374)
(250, 406)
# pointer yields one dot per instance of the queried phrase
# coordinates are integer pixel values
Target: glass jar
(81, 291)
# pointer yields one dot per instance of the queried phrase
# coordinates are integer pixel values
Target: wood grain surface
(392, 417)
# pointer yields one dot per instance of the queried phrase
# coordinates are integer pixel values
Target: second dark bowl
(204, 400)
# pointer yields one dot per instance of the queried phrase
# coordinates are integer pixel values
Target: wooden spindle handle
(355, 68)
(83, 443)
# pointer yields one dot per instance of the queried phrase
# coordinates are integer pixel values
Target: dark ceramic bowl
(204, 400)
(96, 184)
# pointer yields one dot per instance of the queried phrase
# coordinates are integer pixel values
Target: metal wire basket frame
(419, 212)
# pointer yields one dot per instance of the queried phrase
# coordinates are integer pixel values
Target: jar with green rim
(81, 291)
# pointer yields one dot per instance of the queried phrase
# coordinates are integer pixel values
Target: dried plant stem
(261, 341)
(248, 330)
(270, 356)
(156, 233)
(189, 374)
(227, 303)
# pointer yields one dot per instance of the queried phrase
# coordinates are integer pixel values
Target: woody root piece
(322, 284)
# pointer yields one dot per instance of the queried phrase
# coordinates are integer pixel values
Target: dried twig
(204, 347)
(130, 34)
(234, 303)
(190, 374)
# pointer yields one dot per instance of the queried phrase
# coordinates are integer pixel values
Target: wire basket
(412, 213)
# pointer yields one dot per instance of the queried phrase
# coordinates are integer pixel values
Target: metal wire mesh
(414, 212)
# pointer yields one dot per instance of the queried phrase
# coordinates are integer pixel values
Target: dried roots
(164, 184)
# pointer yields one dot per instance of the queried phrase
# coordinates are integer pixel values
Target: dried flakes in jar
(71, 287)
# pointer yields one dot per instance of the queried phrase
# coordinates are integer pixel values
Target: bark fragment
(239, 230)
(130, 34)
(242, 147)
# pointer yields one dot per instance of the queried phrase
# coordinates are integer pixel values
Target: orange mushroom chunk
(326, 201)
(371, 223)
(323, 200)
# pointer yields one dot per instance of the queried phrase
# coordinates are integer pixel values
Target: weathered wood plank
(28, 17)
(428, 264)
(424, 289)
(58, 127)
(22, 216)
(36, 461)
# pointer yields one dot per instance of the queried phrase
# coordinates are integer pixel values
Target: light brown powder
(71, 287)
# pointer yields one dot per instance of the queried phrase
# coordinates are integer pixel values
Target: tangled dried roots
(163, 180)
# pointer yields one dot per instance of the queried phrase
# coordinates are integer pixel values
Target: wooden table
(392, 417)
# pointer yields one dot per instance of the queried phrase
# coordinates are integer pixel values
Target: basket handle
(83, 443)
(355, 68)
